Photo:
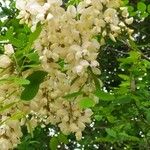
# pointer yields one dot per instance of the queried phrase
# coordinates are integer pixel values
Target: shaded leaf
(63, 139)
(30, 91)
(72, 95)
(53, 143)
(111, 132)
(141, 6)
(104, 96)
(98, 117)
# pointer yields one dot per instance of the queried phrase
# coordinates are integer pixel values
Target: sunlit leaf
(86, 102)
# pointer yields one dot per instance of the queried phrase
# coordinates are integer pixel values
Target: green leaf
(73, 2)
(37, 77)
(61, 63)
(10, 36)
(111, 119)
(98, 117)
(123, 99)
(53, 143)
(33, 36)
(30, 91)
(33, 57)
(130, 8)
(111, 132)
(16, 80)
(125, 2)
(20, 81)
(86, 102)
(62, 138)
(31, 66)
(104, 139)
(125, 136)
(2, 109)
(148, 116)
(148, 8)
(144, 15)
(124, 77)
(17, 116)
(104, 96)
(95, 79)
(134, 56)
(141, 6)
(134, 47)
(72, 95)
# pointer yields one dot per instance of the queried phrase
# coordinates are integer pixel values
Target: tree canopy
(74, 74)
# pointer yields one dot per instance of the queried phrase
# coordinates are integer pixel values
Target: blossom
(67, 47)
(129, 20)
(5, 144)
(5, 61)
(9, 50)
(110, 16)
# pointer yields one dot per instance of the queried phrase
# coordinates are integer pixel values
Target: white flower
(46, 6)
(3, 129)
(78, 69)
(49, 16)
(115, 28)
(59, 2)
(81, 7)
(81, 125)
(110, 16)
(88, 112)
(78, 135)
(125, 12)
(96, 71)
(84, 63)
(114, 3)
(78, 55)
(5, 144)
(94, 63)
(5, 61)
(20, 4)
(122, 24)
(9, 50)
(72, 10)
(130, 31)
(74, 127)
(129, 20)
(112, 37)
(88, 1)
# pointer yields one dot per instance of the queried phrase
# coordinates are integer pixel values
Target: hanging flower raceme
(68, 50)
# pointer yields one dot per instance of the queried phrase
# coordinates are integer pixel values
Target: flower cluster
(67, 47)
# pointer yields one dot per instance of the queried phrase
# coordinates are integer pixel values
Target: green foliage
(139, 10)
(53, 143)
(122, 117)
(141, 6)
(30, 90)
(104, 96)
(72, 95)
(39, 140)
(3, 108)
(73, 2)
(58, 140)
(15, 80)
(148, 8)
(86, 102)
